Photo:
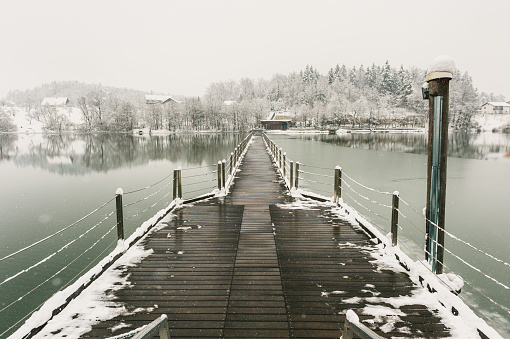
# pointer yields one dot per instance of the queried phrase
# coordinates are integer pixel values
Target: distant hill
(71, 89)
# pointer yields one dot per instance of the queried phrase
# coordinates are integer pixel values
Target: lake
(51, 181)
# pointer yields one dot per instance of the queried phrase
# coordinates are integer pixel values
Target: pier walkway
(254, 264)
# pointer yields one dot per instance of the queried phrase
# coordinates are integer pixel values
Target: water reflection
(460, 145)
(73, 154)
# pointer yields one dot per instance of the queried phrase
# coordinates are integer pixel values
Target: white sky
(180, 46)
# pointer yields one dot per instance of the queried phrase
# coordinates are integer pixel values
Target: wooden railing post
(284, 164)
(236, 155)
(338, 183)
(223, 173)
(219, 175)
(296, 183)
(176, 183)
(291, 172)
(120, 215)
(280, 157)
(179, 183)
(231, 156)
(394, 218)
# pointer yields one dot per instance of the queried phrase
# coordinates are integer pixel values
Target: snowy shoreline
(25, 125)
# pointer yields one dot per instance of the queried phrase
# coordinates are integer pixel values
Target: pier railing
(388, 219)
(89, 242)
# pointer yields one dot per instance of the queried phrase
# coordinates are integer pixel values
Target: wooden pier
(246, 265)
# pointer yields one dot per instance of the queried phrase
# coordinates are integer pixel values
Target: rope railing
(54, 275)
(22, 297)
(56, 233)
(148, 196)
(368, 210)
(453, 254)
(343, 179)
(147, 187)
(466, 282)
(147, 208)
(55, 253)
(199, 167)
(149, 201)
(466, 301)
(457, 238)
(365, 197)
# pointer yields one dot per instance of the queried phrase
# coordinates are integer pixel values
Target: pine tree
(386, 86)
(361, 77)
(306, 75)
(404, 86)
(353, 77)
(338, 73)
(331, 76)
(343, 72)
(371, 77)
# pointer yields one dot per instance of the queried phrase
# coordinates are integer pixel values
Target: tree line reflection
(84, 153)
(460, 145)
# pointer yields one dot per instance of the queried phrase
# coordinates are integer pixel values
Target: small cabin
(55, 101)
(495, 108)
(159, 99)
(280, 124)
(277, 120)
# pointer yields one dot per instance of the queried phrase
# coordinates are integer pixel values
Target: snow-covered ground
(489, 122)
(25, 124)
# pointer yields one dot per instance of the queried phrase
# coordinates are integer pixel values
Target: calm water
(50, 181)
(478, 188)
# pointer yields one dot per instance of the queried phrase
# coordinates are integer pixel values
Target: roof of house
(55, 101)
(496, 103)
(280, 115)
(158, 99)
(229, 102)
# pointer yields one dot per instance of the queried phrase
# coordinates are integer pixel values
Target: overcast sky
(180, 46)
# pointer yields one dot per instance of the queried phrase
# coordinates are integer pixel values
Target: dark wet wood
(245, 266)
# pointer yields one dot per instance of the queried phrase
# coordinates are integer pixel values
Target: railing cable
(55, 253)
(147, 187)
(454, 237)
(62, 269)
(449, 288)
(366, 187)
(364, 197)
(147, 197)
(316, 174)
(58, 232)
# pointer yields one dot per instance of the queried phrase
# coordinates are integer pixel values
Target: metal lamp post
(437, 92)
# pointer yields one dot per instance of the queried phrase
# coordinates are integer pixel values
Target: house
(277, 120)
(496, 108)
(55, 101)
(159, 99)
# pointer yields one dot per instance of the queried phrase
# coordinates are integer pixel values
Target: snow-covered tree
(387, 80)
(6, 123)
